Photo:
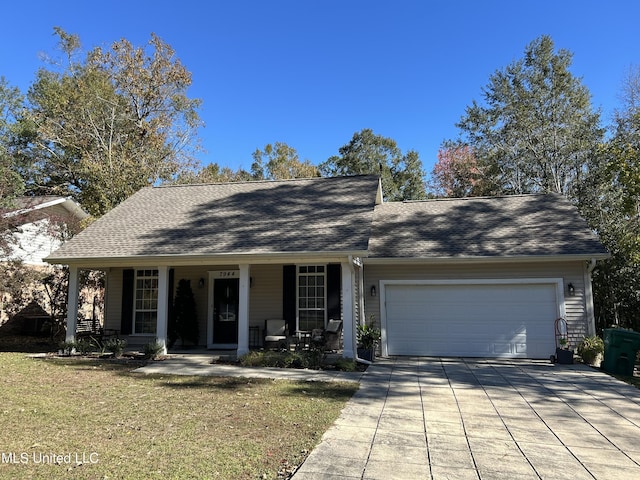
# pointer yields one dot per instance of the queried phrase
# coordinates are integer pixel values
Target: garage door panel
(485, 320)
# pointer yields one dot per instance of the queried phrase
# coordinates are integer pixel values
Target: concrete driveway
(431, 418)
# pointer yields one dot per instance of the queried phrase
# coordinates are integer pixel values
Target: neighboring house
(36, 223)
(36, 219)
(483, 277)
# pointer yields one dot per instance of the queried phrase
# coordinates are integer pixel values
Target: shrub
(153, 349)
(84, 346)
(295, 360)
(345, 364)
(264, 359)
(307, 359)
(67, 348)
(315, 357)
(115, 346)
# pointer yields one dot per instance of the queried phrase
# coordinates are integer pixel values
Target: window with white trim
(146, 302)
(311, 296)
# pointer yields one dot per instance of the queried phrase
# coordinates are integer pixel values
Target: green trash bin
(620, 348)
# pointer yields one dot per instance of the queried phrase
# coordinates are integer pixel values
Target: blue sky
(312, 73)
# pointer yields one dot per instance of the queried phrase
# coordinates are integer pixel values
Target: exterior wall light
(571, 290)
(373, 291)
(201, 283)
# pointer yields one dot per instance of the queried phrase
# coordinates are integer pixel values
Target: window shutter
(172, 280)
(334, 288)
(126, 319)
(172, 333)
(289, 297)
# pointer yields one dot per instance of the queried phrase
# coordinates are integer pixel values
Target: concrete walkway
(432, 418)
(200, 364)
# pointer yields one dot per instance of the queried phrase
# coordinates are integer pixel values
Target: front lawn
(118, 425)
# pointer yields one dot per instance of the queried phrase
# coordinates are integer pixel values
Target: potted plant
(368, 339)
(564, 355)
(591, 350)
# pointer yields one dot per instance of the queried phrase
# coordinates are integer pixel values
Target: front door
(225, 311)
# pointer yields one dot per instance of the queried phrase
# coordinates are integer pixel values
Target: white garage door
(514, 320)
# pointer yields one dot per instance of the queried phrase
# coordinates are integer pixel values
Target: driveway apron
(441, 418)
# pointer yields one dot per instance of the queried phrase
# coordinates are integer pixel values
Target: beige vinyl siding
(265, 294)
(570, 272)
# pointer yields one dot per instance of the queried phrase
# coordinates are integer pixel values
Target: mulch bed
(27, 344)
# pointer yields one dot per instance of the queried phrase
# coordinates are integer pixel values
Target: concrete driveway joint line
(436, 418)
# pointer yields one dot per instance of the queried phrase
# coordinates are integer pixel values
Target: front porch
(232, 302)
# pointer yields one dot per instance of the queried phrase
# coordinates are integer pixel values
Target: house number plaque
(226, 274)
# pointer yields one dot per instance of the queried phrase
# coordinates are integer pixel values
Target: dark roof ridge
(253, 182)
(485, 197)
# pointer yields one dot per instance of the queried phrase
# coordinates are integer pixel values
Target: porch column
(72, 304)
(347, 310)
(243, 311)
(163, 307)
(360, 300)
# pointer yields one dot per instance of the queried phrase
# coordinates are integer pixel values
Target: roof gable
(521, 225)
(290, 216)
(43, 205)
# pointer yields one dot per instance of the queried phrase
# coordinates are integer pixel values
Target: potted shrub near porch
(368, 337)
(591, 350)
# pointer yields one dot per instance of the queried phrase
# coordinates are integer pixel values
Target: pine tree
(535, 130)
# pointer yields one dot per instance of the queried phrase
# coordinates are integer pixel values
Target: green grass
(164, 427)
(631, 380)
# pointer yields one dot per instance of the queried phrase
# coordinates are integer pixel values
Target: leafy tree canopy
(106, 125)
(280, 162)
(535, 130)
(214, 173)
(368, 153)
(457, 173)
(276, 161)
(11, 183)
(609, 199)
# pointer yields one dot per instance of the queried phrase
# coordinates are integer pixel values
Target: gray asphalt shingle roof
(519, 225)
(329, 215)
(309, 215)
